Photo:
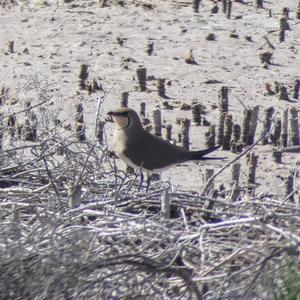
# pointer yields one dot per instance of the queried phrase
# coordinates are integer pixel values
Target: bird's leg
(148, 181)
(141, 182)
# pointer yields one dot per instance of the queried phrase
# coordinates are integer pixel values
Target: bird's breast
(121, 144)
(120, 141)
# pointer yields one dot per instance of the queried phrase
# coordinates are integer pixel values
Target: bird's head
(125, 118)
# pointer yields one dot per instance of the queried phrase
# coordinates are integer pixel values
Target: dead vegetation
(74, 226)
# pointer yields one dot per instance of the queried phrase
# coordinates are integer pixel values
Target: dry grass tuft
(116, 244)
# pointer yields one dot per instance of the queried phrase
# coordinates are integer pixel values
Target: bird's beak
(115, 113)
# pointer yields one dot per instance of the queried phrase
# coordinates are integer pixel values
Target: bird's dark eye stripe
(124, 113)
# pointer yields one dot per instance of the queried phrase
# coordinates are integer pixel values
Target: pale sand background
(60, 37)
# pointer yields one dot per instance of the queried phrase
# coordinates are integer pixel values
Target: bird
(144, 151)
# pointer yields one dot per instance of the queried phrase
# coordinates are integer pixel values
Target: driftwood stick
(83, 76)
(296, 88)
(283, 26)
(292, 149)
(79, 122)
(150, 48)
(235, 178)
(196, 114)
(31, 123)
(224, 6)
(235, 192)
(284, 129)
(208, 174)
(293, 133)
(252, 164)
(165, 204)
(195, 5)
(270, 45)
(277, 155)
(161, 89)
(2, 128)
(289, 187)
(99, 124)
(259, 4)
(233, 161)
(143, 108)
(223, 99)
(235, 172)
(275, 136)
(253, 124)
(228, 9)
(74, 195)
(100, 131)
(220, 128)
(267, 123)
(124, 99)
(209, 202)
(210, 136)
(157, 121)
(168, 130)
(246, 126)
(11, 46)
(141, 73)
(185, 131)
(236, 135)
(227, 132)
(283, 93)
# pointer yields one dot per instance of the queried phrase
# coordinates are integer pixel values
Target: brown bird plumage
(140, 149)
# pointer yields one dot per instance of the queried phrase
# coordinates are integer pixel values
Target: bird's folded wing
(153, 153)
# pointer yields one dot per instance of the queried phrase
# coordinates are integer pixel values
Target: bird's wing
(152, 153)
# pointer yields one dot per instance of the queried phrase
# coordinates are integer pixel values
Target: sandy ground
(60, 37)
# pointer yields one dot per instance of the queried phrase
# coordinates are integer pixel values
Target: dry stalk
(115, 244)
(234, 160)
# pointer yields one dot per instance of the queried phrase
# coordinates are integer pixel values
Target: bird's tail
(198, 155)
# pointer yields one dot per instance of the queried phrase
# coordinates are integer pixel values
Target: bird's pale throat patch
(122, 121)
